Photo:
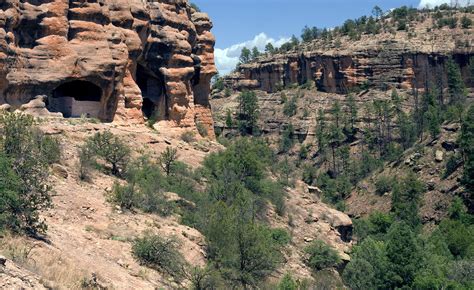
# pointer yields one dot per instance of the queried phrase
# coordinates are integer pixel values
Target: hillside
(342, 161)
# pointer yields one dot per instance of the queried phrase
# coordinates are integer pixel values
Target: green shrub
(309, 173)
(287, 283)
(9, 188)
(205, 278)
(195, 7)
(287, 142)
(161, 254)
(227, 92)
(281, 236)
(25, 190)
(144, 189)
(290, 107)
(86, 162)
(466, 22)
(168, 159)
(384, 184)
(50, 147)
(111, 149)
(321, 256)
(307, 86)
(124, 196)
(188, 136)
(202, 130)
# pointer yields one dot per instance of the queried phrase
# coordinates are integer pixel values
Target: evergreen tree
(352, 106)
(403, 253)
(466, 142)
(269, 48)
(249, 110)
(406, 198)
(336, 136)
(377, 12)
(456, 87)
(321, 131)
(294, 41)
(431, 113)
(24, 187)
(370, 267)
(245, 55)
(229, 122)
(307, 34)
(287, 142)
(336, 113)
(288, 283)
(255, 52)
(359, 275)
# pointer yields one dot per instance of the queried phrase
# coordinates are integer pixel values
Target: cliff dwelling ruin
(76, 99)
(128, 62)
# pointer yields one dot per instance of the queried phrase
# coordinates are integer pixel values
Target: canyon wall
(133, 59)
(386, 63)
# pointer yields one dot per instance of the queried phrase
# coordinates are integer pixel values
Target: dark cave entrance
(76, 99)
(152, 89)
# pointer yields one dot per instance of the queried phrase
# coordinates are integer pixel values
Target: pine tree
(245, 55)
(321, 131)
(403, 253)
(269, 48)
(229, 123)
(352, 106)
(431, 113)
(466, 142)
(249, 110)
(406, 198)
(294, 41)
(377, 12)
(456, 87)
(255, 52)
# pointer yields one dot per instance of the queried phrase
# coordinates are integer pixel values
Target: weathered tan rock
(385, 60)
(114, 60)
(15, 277)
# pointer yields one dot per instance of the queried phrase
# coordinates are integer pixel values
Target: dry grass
(55, 271)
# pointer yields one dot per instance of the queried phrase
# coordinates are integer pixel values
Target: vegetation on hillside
(400, 19)
(25, 156)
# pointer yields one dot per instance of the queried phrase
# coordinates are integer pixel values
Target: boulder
(60, 171)
(439, 156)
(341, 222)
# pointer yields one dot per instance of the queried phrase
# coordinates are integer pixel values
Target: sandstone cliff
(112, 59)
(398, 59)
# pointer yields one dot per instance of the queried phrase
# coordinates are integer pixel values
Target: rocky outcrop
(384, 61)
(15, 277)
(111, 59)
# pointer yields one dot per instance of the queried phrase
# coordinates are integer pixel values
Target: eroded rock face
(380, 63)
(110, 59)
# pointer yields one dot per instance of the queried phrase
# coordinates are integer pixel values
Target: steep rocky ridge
(398, 59)
(113, 60)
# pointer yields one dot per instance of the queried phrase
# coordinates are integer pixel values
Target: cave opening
(152, 88)
(76, 99)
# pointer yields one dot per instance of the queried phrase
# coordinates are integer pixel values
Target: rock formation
(110, 59)
(386, 60)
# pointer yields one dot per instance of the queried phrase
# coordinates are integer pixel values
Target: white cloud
(433, 3)
(227, 58)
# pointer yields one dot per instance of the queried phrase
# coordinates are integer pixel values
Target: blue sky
(239, 23)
